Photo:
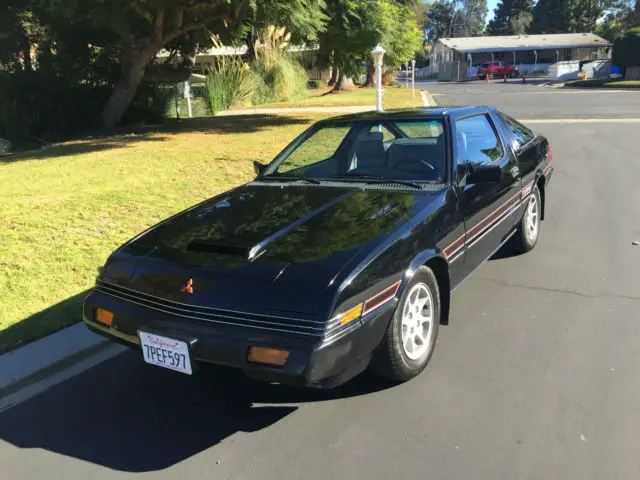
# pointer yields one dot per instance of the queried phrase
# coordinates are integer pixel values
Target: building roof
(524, 42)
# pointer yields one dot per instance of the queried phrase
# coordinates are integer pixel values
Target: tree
(144, 27)
(570, 16)
(474, 15)
(511, 17)
(347, 36)
(304, 19)
(626, 49)
(439, 18)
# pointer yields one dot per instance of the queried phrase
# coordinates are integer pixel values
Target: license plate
(165, 352)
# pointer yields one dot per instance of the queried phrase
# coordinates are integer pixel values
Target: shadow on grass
(78, 148)
(131, 417)
(231, 124)
(43, 323)
(126, 136)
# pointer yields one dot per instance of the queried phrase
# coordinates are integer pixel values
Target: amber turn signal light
(268, 356)
(351, 314)
(104, 316)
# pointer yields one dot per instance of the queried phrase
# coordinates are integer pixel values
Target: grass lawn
(66, 207)
(604, 83)
(392, 97)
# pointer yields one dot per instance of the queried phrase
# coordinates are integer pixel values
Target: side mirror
(483, 174)
(258, 167)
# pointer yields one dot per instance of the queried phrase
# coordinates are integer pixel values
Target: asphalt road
(536, 377)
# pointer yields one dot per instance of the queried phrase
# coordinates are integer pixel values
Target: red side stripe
(381, 298)
(460, 242)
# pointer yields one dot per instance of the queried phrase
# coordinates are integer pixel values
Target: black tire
(491, 76)
(513, 74)
(525, 242)
(390, 359)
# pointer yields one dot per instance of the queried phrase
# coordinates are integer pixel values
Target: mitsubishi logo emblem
(188, 287)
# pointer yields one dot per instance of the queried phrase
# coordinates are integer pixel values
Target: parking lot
(536, 376)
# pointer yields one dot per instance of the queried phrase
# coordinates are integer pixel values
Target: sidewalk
(427, 100)
(310, 109)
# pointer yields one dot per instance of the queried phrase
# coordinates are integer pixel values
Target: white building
(458, 58)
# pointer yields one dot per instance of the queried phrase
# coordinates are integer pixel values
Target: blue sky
(491, 4)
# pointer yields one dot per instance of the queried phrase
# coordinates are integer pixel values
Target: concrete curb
(30, 363)
(428, 99)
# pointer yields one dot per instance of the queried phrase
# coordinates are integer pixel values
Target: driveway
(536, 376)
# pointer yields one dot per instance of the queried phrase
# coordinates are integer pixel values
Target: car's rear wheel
(411, 336)
(513, 74)
(529, 228)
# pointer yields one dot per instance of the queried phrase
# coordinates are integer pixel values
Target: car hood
(261, 246)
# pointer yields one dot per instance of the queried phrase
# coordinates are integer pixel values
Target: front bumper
(312, 362)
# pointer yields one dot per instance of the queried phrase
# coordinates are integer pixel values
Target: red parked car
(497, 69)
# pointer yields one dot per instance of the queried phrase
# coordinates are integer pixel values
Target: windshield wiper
(290, 178)
(379, 179)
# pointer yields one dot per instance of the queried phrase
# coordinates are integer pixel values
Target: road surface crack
(560, 290)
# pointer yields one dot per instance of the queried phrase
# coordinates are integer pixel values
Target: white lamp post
(377, 54)
(413, 77)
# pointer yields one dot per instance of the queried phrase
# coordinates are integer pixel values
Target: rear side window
(429, 129)
(477, 141)
(520, 134)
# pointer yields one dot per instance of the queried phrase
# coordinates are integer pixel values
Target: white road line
(532, 92)
(579, 120)
(46, 383)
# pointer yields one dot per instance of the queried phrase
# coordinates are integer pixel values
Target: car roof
(451, 111)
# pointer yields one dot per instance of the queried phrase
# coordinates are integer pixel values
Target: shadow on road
(131, 417)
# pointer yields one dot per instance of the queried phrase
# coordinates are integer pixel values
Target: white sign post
(413, 77)
(187, 95)
(377, 54)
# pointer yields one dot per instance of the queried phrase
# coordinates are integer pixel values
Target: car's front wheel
(411, 336)
(529, 228)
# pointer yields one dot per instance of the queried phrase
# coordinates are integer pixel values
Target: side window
(477, 141)
(521, 135)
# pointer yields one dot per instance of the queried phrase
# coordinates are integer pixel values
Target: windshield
(409, 150)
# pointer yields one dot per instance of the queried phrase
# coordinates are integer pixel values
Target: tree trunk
(133, 67)
(251, 54)
(343, 82)
(334, 75)
(371, 72)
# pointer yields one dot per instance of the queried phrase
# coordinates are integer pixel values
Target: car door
(488, 208)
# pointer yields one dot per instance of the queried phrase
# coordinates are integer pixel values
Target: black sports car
(341, 254)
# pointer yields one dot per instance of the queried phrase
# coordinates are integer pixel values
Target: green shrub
(38, 105)
(313, 84)
(150, 104)
(279, 75)
(279, 78)
(626, 49)
(229, 82)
